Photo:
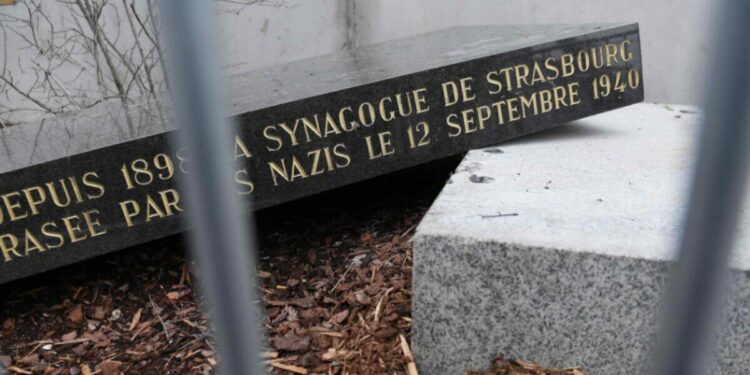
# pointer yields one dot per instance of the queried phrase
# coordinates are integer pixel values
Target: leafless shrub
(102, 53)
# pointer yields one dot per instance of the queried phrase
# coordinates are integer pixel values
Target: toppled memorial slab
(75, 187)
(556, 248)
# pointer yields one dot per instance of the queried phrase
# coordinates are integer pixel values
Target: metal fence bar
(717, 193)
(220, 232)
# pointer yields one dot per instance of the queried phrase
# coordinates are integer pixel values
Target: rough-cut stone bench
(556, 248)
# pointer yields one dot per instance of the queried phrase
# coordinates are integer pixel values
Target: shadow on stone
(574, 130)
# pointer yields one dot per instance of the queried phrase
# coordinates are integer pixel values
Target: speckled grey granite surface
(477, 300)
(576, 275)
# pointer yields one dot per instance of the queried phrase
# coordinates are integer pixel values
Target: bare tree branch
(93, 53)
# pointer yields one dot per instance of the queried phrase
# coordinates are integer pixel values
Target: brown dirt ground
(334, 274)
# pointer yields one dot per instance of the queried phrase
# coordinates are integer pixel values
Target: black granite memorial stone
(77, 187)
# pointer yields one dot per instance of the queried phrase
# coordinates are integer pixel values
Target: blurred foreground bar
(221, 238)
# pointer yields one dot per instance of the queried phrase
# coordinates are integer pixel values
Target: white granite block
(557, 247)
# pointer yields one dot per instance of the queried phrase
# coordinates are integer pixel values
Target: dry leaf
(110, 368)
(76, 314)
(29, 359)
(176, 295)
(291, 342)
(136, 319)
(340, 317)
(69, 336)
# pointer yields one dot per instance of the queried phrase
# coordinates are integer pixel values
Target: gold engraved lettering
(310, 126)
(35, 196)
(505, 72)
(423, 130)
(8, 245)
(468, 118)
(77, 228)
(316, 168)
(512, 109)
(497, 106)
(330, 126)
(291, 132)
(522, 75)
(496, 85)
(90, 180)
(512, 106)
(32, 243)
(163, 204)
(584, 61)
(550, 65)
(129, 209)
(342, 157)
(386, 114)
(566, 63)
(545, 99)
(171, 200)
(453, 92)
(344, 123)
(625, 53)
(153, 211)
(240, 149)
(76, 189)
(597, 57)
(314, 162)
(278, 170)
(93, 224)
(298, 170)
(49, 230)
(404, 111)
(537, 75)
(383, 146)
(529, 103)
(611, 51)
(242, 178)
(13, 206)
(455, 128)
(366, 114)
(466, 93)
(73, 227)
(272, 137)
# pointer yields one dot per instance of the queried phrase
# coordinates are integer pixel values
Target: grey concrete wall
(674, 33)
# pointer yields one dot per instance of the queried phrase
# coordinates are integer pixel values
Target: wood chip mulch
(334, 274)
(341, 302)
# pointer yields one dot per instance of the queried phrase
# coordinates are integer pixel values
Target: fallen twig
(290, 368)
(163, 326)
(497, 215)
(19, 370)
(380, 304)
(408, 357)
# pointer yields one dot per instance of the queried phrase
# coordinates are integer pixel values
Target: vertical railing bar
(717, 194)
(220, 234)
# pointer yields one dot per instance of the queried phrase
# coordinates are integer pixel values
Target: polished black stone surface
(306, 127)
